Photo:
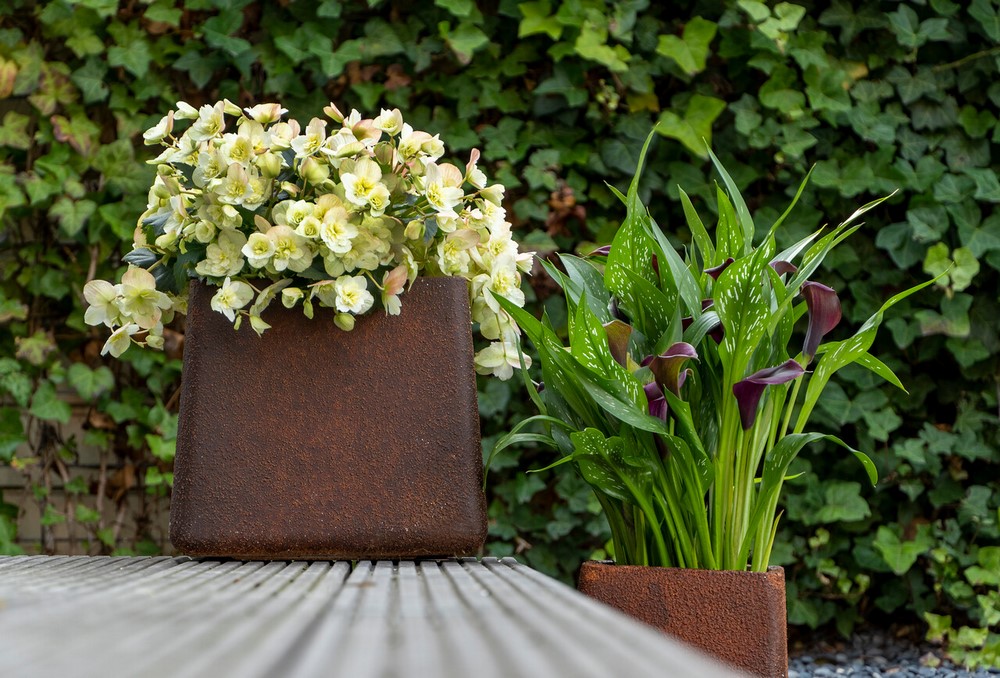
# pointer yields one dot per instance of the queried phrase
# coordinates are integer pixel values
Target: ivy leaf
(901, 555)
(14, 132)
(72, 214)
(987, 185)
(457, 8)
(465, 40)
(988, 16)
(92, 80)
(842, 502)
(46, 405)
(694, 130)
(131, 49)
(536, 18)
(592, 44)
(164, 12)
(11, 433)
(690, 51)
(90, 383)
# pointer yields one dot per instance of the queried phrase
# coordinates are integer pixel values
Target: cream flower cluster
(342, 214)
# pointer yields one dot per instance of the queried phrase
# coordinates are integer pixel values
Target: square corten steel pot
(311, 442)
(737, 617)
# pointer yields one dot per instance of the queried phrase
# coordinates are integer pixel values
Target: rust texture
(311, 442)
(738, 617)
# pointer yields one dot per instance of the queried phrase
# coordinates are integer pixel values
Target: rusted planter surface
(738, 617)
(311, 442)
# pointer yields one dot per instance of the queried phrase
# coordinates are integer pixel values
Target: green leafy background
(879, 96)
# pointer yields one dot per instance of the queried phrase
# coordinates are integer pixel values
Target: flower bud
(314, 171)
(269, 164)
(414, 230)
(334, 113)
(344, 321)
(290, 296)
(384, 153)
(265, 113)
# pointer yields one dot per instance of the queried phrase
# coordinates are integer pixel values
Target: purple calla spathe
(716, 271)
(666, 367)
(824, 314)
(618, 336)
(657, 403)
(749, 391)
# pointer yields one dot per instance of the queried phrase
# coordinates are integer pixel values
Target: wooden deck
(72, 617)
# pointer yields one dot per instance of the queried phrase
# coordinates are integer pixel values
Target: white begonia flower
(186, 111)
(139, 300)
(154, 338)
(211, 122)
(120, 340)
(326, 292)
(453, 251)
(359, 184)
(411, 142)
(258, 250)
(473, 174)
(236, 148)
(223, 216)
(309, 228)
(231, 297)
(498, 245)
(160, 130)
(310, 142)
(353, 295)
(265, 113)
(499, 359)
(279, 136)
(224, 257)
(378, 200)
(260, 190)
(210, 166)
(291, 212)
(291, 250)
(487, 215)
(204, 231)
(390, 122)
(337, 231)
(270, 164)
(187, 150)
(235, 188)
(102, 307)
(493, 193)
(314, 171)
(441, 190)
(392, 284)
(503, 280)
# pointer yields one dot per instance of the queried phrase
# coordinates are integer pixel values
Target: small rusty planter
(737, 617)
(311, 442)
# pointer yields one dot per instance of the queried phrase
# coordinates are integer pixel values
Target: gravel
(876, 655)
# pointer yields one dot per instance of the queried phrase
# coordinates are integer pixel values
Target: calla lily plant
(686, 386)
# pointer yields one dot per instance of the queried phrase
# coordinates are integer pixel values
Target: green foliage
(878, 95)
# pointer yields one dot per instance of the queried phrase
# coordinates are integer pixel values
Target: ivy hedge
(880, 96)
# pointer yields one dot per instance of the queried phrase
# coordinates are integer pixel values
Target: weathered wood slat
(150, 617)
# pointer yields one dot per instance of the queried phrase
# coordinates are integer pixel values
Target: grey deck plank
(151, 617)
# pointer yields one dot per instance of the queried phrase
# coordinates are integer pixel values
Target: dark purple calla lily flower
(718, 332)
(716, 271)
(782, 267)
(657, 403)
(616, 312)
(601, 251)
(666, 367)
(749, 391)
(824, 314)
(618, 336)
(656, 265)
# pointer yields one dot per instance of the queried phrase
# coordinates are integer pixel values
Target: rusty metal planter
(738, 617)
(310, 442)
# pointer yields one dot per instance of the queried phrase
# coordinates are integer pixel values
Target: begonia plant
(343, 216)
(687, 384)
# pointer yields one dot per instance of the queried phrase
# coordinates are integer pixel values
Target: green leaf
(72, 214)
(86, 515)
(90, 383)
(592, 44)
(458, 8)
(536, 18)
(131, 49)
(988, 16)
(690, 51)
(465, 40)
(693, 130)
(842, 502)
(11, 433)
(46, 404)
(163, 11)
(901, 555)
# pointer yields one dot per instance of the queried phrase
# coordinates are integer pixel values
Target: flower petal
(824, 314)
(749, 391)
(716, 271)
(618, 336)
(666, 367)
(782, 267)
